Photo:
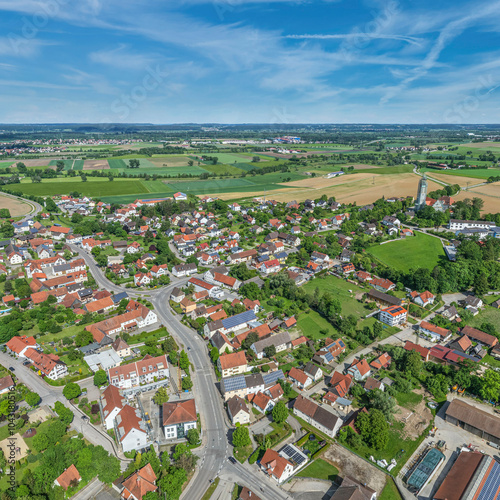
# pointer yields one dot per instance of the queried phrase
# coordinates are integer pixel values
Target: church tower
(422, 193)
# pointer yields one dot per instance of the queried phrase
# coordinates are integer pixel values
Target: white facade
(171, 431)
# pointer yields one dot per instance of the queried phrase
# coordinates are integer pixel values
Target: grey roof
(239, 319)
(119, 296)
(236, 404)
(215, 325)
(254, 380)
(311, 368)
(89, 348)
(279, 339)
(390, 299)
(218, 340)
(177, 292)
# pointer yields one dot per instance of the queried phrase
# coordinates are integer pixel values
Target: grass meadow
(421, 250)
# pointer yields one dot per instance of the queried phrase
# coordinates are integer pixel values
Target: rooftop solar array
(491, 485)
(293, 454)
(234, 383)
(341, 343)
(270, 378)
(329, 356)
(239, 319)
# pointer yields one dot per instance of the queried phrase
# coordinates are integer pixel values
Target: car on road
(232, 460)
(11, 368)
(189, 348)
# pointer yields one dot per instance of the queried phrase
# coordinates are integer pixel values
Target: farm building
(474, 420)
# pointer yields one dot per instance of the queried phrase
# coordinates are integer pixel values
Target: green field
(488, 315)
(5, 164)
(222, 169)
(94, 186)
(339, 289)
(480, 173)
(117, 163)
(320, 469)
(311, 323)
(413, 252)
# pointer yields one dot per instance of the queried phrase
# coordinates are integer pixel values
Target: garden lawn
(319, 469)
(408, 399)
(413, 252)
(390, 491)
(311, 323)
(488, 315)
(340, 290)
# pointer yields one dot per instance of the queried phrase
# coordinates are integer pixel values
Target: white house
(130, 429)
(110, 403)
(393, 315)
(238, 411)
(146, 371)
(178, 418)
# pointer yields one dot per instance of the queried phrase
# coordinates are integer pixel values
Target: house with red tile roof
(383, 361)
(382, 284)
(360, 370)
(141, 482)
(178, 418)
(299, 378)
(423, 351)
(146, 371)
(433, 332)
(111, 403)
(262, 402)
(341, 384)
(19, 344)
(48, 365)
(298, 342)
(422, 299)
(131, 429)
(276, 466)
(232, 364)
(69, 478)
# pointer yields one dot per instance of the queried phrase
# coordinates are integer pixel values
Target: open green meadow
(477, 173)
(5, 164)
(339, 289)
(94, 186)
(421, 250)
(222, 169)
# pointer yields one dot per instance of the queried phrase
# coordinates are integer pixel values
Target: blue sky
(249, 61)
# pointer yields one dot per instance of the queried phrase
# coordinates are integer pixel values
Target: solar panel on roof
(328, 356)
(234, 383)
(491, 485)
(273, 377)
(341, 343)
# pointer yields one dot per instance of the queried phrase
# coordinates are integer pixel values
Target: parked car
(232, 460)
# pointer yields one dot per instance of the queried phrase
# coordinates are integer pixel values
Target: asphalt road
(213, 457)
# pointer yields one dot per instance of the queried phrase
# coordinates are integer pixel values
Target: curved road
(209, 401)
(36, 208)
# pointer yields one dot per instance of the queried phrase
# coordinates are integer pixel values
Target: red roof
(17, 344)
(298, 375)
(299, 341)
(70, 475)
(179, 412)
(361, 365)
(140, 483)
(232, 360)
(410, 346)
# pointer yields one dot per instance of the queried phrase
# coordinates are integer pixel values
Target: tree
(412, 363)
(32, 398)
(60, 165)
(84, 178)
(280, 412)
(134, 163)
(373, 428)
(481, 285)
(161, 396)
(490, 389)
(214, 354)
(100, 378)
(184, 361)
(241, 437)
(71, 390)
(40, 441)
(270, 351)
(193, 436)
(186, 384)
(437, 385)
(382, 401)
(286, 386)
(171, 483)
(357, 391)
(65, 414)
(83, 338)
